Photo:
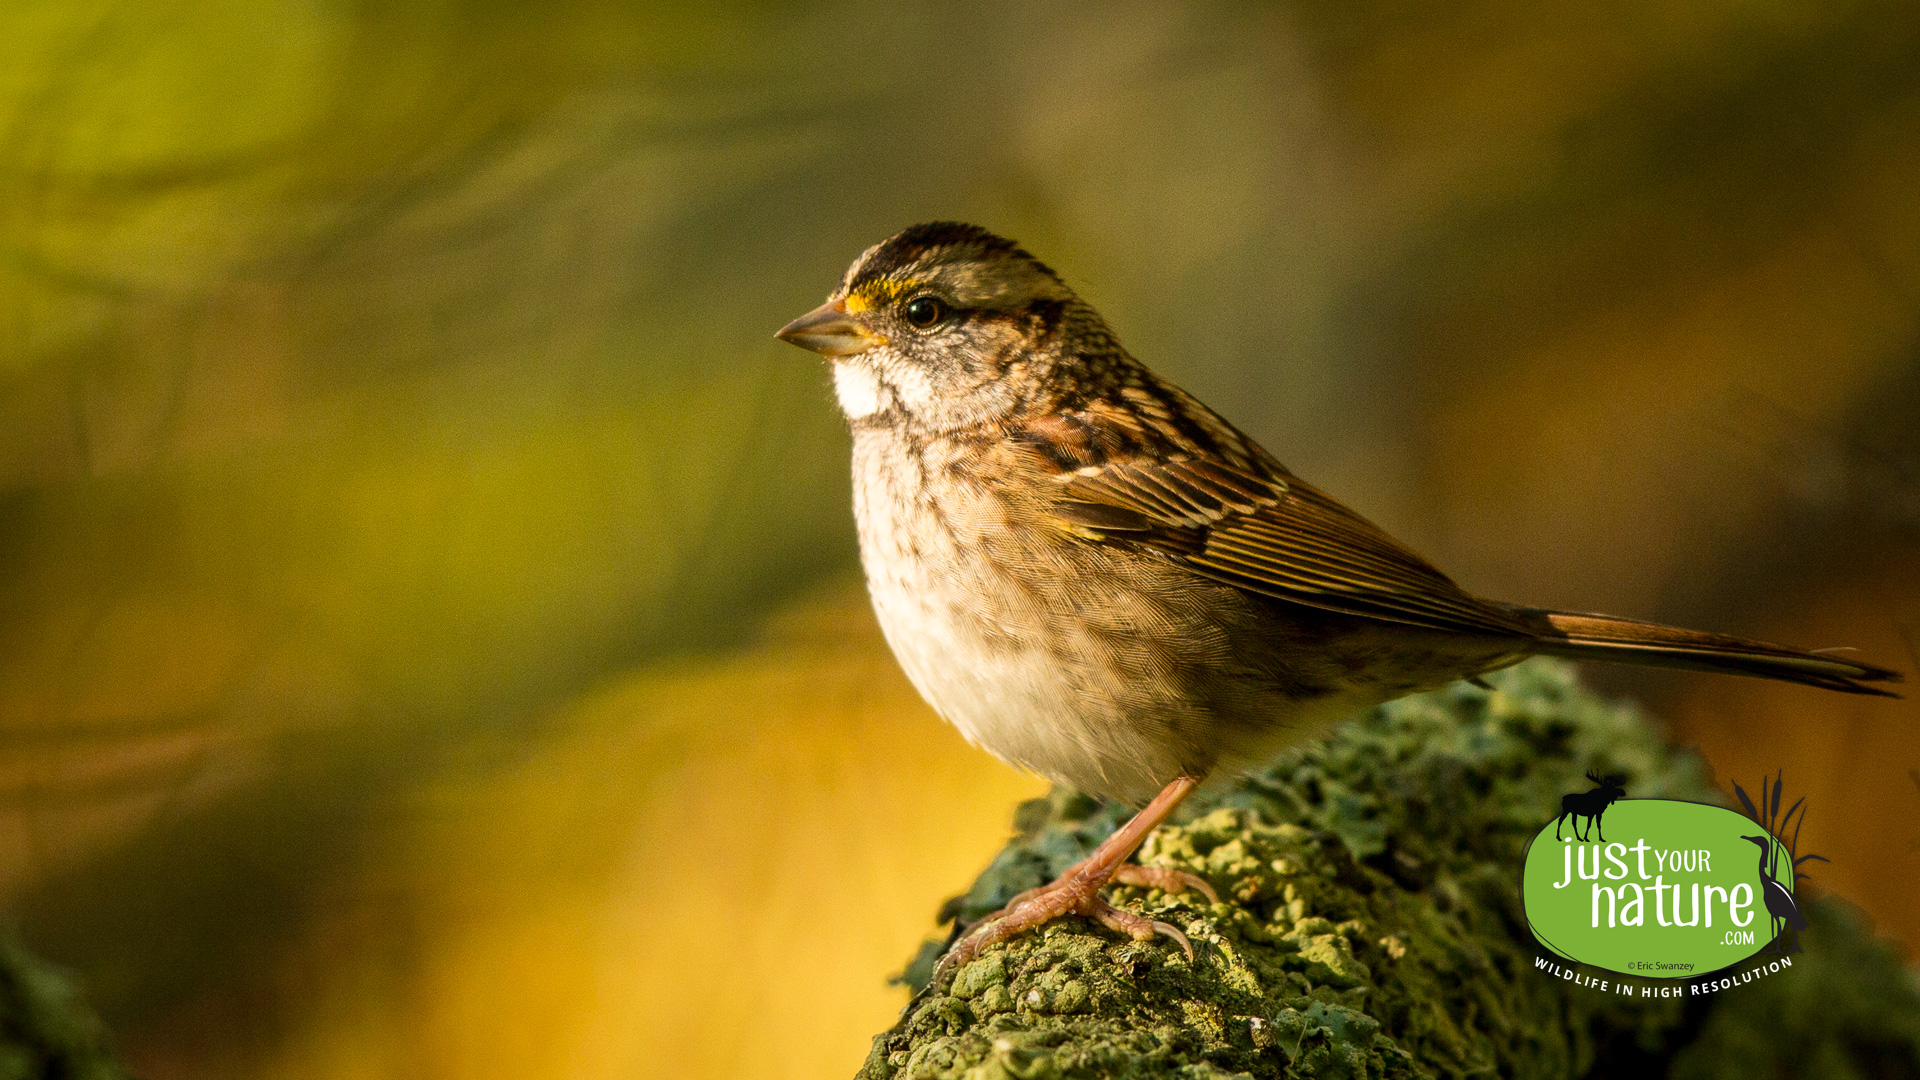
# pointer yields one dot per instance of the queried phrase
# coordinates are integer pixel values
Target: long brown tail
(1623, 641)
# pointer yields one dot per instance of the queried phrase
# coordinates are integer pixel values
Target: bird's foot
(1076, 892)
(1162, 878)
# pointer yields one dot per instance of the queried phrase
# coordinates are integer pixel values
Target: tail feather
(1580, 636)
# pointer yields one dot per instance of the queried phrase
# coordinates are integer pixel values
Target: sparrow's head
(943, 326)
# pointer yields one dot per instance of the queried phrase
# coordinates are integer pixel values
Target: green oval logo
(1669, 890)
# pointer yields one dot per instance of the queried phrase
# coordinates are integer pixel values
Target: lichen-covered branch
(1370, 926)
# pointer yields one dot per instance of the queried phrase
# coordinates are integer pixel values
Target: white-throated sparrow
(1095, 577)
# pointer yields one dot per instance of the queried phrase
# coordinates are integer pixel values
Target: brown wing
(1235, 516)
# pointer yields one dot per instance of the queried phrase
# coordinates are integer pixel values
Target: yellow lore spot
(877, 294)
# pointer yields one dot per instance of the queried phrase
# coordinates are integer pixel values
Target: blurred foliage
(45, 1029)
(380, 385)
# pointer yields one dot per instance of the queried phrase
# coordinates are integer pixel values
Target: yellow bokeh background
(705, 871)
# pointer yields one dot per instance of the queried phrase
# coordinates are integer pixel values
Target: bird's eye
(924, 311)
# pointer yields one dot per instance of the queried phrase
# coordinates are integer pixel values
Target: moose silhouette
(1590, 805)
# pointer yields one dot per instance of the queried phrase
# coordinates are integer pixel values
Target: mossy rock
(1370, 926)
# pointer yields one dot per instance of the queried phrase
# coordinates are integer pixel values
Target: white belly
(984, 651)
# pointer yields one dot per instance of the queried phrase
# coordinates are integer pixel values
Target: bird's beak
(830, 331)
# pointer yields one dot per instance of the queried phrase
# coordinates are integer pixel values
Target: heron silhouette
(1780, 905)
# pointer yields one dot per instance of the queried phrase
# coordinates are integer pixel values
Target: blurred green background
(432, 639)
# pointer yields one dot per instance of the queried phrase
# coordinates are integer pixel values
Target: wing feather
(1258, 529)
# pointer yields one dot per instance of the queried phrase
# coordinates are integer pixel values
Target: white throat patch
(860, 391)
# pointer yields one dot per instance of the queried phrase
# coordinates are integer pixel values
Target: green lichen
(1369, 924)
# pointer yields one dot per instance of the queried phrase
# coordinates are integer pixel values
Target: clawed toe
(1077, 892)
(1165, 879)
(956, 958)
(1139, 927)
(1178, 937)
(1073, 895)
(1035, 907)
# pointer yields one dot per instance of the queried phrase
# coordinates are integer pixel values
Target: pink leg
(1077, 892)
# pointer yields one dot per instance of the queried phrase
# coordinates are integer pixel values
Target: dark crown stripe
(917, 241)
